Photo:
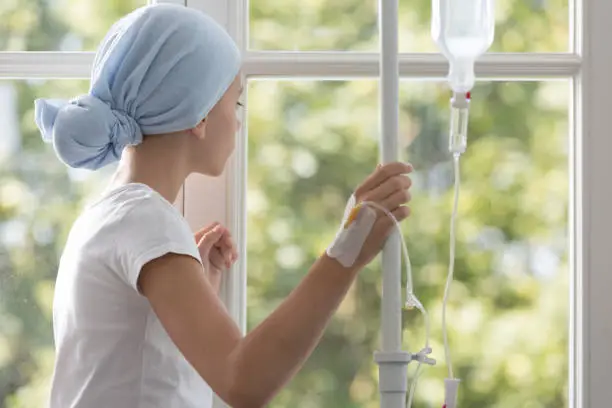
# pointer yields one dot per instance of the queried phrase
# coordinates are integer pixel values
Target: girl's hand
(217, 250)
(388, 186)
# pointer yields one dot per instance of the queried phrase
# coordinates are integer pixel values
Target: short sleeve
(148, 229)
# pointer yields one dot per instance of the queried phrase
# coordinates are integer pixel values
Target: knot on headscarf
(160, 69)
(85, 131)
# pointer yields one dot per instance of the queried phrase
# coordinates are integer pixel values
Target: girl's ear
(200, 130)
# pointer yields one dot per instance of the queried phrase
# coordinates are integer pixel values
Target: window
(311, 142)
(529, 304)
(351, 25)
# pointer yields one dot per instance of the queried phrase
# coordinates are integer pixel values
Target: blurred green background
(310, 144)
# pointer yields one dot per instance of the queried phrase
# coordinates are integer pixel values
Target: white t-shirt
(111, 349)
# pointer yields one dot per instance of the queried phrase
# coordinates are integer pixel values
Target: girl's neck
(164, 172)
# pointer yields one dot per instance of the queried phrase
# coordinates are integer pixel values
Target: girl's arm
(248, 372)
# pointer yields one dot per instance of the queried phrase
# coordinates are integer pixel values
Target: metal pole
(391, 359)
(389, 118)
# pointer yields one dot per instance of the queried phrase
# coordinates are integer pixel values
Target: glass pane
(351, 25)
(312, 142)
(293, 25)
(59, 25)
(521, 26)
(39, 199)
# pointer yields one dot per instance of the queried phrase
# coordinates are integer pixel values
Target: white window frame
(586, 65)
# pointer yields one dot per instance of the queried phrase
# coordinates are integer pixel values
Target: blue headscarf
(160, 69)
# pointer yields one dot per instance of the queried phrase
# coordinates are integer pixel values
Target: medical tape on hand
(356, 226)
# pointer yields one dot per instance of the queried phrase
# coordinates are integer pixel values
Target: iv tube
(411, 302)
(457, 146)
(451, 266)
(457, 143)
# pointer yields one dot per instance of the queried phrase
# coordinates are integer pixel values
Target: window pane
(312, 142)
(522, 26)
(322, 25)
(59, 25)
(39, 199)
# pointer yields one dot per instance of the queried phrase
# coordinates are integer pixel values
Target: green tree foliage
(310, 143)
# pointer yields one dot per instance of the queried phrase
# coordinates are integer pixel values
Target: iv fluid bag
(463, 30)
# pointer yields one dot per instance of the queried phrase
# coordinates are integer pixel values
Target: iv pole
(392, 361)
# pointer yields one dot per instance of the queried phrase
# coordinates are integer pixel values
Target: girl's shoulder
(131, 210)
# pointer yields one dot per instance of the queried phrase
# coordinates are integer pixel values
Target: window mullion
(414, 65)
(236, 286)
(45, 65)
(310, 64)
(228, 190)
(592, 223)
(178, 2)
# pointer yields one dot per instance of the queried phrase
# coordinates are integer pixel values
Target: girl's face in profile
(219, 131)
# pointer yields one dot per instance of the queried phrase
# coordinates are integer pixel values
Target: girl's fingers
(388, 188)
(216, 260)
(204, 231)
(400, 197)
(380, 175)
(228, 249)
(230, 246)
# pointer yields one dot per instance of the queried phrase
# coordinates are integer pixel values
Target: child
(137, 320)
